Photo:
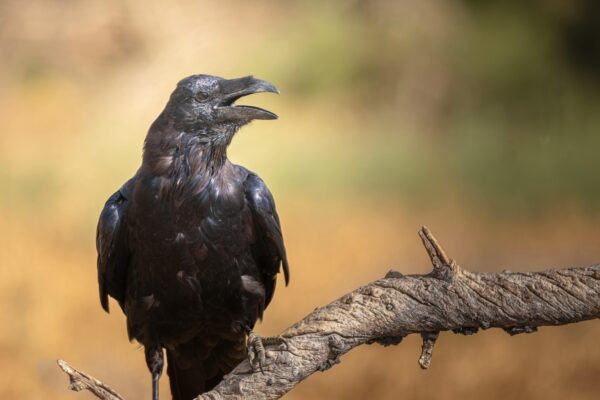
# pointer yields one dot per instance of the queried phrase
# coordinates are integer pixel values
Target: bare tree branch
(81, 381)
(385, 311)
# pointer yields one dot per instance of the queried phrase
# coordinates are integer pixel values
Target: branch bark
(385, 311)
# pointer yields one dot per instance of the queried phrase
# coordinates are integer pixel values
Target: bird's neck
(174, 153)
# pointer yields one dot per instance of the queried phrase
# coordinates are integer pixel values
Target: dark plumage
(191, 245)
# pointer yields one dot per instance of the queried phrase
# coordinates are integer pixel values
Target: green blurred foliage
(499, 98)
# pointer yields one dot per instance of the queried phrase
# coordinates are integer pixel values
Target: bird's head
(205, 104)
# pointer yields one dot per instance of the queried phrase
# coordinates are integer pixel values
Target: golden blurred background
(479, 119)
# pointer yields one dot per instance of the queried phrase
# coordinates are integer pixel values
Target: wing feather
(112, 247)
(269, 249)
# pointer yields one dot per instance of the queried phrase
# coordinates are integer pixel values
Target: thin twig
(79, 380)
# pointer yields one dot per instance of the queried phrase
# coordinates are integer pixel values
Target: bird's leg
(256, 348)
(155, 362)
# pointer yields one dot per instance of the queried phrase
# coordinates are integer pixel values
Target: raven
(191, 245)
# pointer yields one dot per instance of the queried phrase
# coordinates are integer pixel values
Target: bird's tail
(191, 376)
(186, 383)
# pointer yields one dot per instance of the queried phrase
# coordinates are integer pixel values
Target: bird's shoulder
(255, 189)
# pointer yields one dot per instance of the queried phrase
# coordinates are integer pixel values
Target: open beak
(233, 89)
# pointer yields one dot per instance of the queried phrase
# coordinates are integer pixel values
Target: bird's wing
(112, 247)
(269, 249)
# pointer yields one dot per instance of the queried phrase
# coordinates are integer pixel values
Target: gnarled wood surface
(384, 311)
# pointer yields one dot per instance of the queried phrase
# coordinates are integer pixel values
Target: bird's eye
(201, 96)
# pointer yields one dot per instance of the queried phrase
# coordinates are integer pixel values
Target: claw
(256, 352)
(256, 349)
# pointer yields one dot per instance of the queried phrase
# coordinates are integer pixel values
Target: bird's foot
(256, 349)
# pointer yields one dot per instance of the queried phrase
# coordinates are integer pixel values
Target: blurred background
(479, 119)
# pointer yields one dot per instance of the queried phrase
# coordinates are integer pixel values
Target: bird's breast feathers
(174, 208)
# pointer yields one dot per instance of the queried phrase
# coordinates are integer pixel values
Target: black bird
(191, 245)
